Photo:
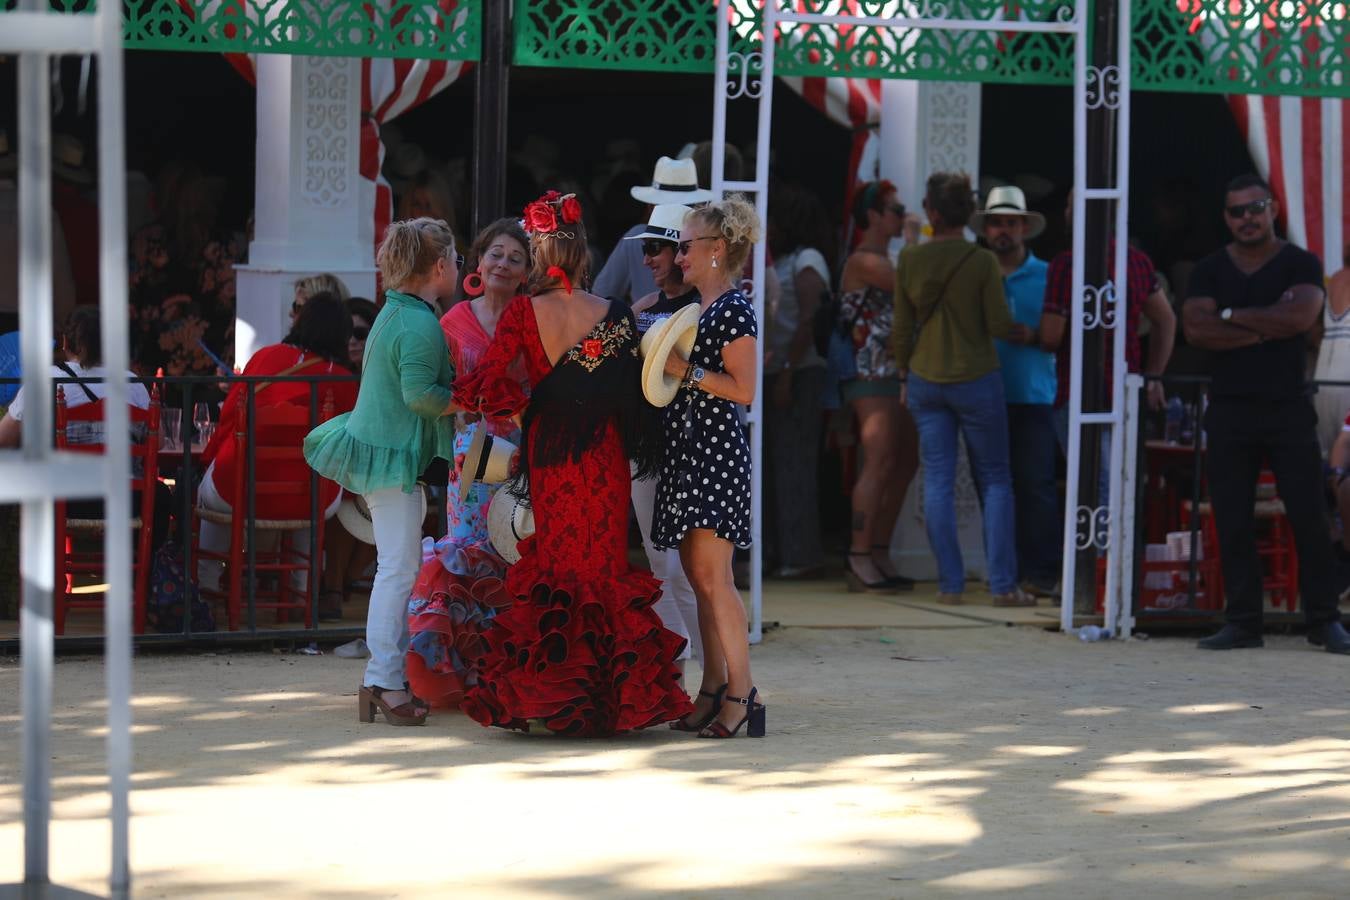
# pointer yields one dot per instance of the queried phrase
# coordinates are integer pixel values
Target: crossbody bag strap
(64, 367)
(942, 294)
(303, 364)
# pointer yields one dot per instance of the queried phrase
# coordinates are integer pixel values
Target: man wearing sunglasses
(1252, 305)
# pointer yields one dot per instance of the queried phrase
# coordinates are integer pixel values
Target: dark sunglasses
(898, 209)
(459, 260)
(683, 246)
(361, 332)
(654, 247)
(1242, 210)
(296, 306)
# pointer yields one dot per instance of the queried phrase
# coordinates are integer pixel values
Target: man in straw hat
(625, 276)
(1029, 385)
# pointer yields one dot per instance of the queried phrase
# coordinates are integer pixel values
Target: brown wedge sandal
(370, 698)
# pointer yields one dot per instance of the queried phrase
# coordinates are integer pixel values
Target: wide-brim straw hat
(488, 460)
(673, 181)
(1008, 200)
(678, 330)
(510, 521)
(354, 515)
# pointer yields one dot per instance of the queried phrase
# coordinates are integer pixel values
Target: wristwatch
(696, 375)
(1226, 313)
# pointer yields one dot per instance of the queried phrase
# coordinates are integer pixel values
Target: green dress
(399, 423)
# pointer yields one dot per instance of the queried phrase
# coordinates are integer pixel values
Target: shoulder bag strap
(64, 367)
(942, 294)
(303, 364)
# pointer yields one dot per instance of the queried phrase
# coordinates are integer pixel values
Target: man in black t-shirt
(1252, 304)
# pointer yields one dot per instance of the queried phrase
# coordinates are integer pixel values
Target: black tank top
(664, 306)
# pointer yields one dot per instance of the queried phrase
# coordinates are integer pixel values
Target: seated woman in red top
(317, 345)
(580, 649)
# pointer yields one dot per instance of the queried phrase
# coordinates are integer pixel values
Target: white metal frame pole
(113, 287)
(36, 560)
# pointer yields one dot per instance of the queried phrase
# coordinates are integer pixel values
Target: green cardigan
(399, 423)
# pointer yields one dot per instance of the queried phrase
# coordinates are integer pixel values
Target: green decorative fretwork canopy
(1299, 47)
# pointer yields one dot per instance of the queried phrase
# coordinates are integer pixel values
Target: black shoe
(1333, 636)
(1231, 637)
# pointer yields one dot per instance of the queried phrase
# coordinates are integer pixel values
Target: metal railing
(183, 392)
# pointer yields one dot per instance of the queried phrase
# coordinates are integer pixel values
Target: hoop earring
(473, 284)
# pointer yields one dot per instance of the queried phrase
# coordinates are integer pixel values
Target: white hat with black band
(664, 224)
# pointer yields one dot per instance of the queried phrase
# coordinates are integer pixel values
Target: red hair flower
(539, 218)
(571, 211)
(592, 348)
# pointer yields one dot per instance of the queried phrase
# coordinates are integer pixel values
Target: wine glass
(201, 417)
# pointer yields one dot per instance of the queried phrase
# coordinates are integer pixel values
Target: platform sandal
(755, 714)
(370, 698)
(682, 725)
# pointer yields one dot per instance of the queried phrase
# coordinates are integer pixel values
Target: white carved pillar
(311, 212)
(927, 127)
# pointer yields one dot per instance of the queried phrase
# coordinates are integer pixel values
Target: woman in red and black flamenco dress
(580, 649)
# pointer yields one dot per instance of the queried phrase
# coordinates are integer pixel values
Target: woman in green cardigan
(402, 420)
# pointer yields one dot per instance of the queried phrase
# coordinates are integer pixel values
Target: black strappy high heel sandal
(897, 581)
(682, 725)
(855, 583)
(755, 714)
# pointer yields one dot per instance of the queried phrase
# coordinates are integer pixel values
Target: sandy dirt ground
(974, 761)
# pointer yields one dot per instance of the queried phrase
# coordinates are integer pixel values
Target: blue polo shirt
(1028, 372)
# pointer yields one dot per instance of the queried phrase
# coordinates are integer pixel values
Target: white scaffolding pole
(36, 475)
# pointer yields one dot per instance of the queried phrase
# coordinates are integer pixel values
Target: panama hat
(488, 460)
(673, 181)
(664, 224)
(355, 515)
(1007, 200)
(679, 330)
(510, 521)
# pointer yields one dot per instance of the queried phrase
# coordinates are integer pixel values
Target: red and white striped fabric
(1299, 145)
(389, 88)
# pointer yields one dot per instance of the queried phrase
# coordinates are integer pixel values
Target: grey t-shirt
(624, 277)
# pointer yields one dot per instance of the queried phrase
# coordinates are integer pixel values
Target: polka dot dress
(705, 472)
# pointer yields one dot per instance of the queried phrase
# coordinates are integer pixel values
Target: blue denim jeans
(1033, 446)
(976, 410)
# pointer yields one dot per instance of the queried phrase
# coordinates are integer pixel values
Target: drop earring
(714, 263)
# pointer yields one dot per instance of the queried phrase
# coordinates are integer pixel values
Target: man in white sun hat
(624, 276)
(1029, 386)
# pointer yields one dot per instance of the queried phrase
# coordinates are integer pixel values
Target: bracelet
(688, 373)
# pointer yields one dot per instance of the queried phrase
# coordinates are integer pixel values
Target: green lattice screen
(1241, 47)
(680, 36)
(417, 29)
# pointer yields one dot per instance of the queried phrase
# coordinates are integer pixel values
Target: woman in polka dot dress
(703, 499)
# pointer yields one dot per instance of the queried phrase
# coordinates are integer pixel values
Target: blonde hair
(565, 248)
(736, 221)
(410, 248)
(318, 284)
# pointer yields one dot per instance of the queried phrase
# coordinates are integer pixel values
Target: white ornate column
(927, 127)
(311, 212)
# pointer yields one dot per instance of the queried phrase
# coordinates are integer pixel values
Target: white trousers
(677, 607)
(396, 518)
(216, 536)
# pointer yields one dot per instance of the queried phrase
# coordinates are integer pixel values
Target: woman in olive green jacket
(402, 420)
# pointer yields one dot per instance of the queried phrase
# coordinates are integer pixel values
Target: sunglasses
(1242, 210)
(296, 306)
(459, 260)
(897, 208)
(361, 332)
(654, 247)
(683, 246)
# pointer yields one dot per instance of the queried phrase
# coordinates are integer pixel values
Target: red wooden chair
(70, 562)
(278, 436)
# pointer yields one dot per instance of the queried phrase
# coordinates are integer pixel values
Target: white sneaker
(356, 649)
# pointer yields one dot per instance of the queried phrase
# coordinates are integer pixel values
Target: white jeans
(216, 537)
(396, 518)
(677, 607)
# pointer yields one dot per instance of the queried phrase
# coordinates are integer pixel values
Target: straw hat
(355, 515)
(510, 521)
(1008, 200)
(664, 224)
(673, 181)
(488, 460)
(679, 330)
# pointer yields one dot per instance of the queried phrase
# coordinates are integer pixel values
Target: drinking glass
(201, 418)
(170, 428)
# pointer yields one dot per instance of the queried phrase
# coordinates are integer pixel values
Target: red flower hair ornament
(549, 213)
